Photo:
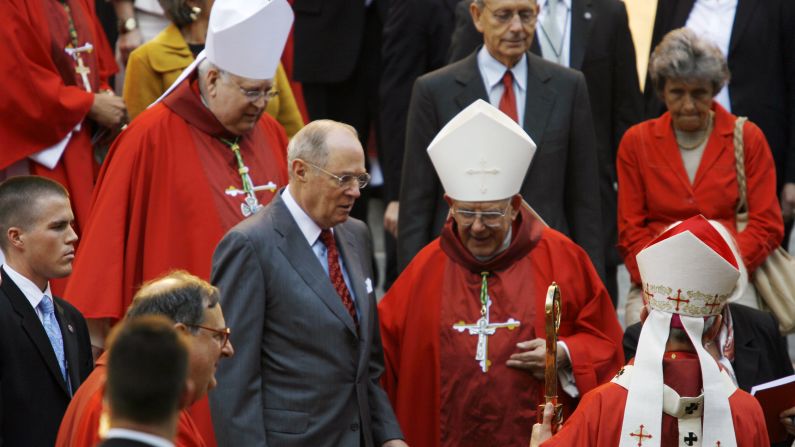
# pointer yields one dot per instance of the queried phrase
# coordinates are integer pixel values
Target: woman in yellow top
(155, 65)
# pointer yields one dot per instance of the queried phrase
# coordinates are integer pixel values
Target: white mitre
(481, 154)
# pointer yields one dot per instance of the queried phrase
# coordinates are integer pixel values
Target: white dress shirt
(133, 435)
(492, 71)
(311, 232)
(713, 20)
(33, 294)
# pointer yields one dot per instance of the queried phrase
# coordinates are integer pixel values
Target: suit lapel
(353, 265)
(33, 327)
(681, 13)
(719, 142)
(666, 148)
(745, 9)
(471, 83)
(539, 99)
(69, 344)
(303, 260)
(582, 19)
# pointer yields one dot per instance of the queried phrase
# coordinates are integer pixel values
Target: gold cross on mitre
(81, 68)
(484, 328)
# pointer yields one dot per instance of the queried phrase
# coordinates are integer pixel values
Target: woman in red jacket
(682, 163)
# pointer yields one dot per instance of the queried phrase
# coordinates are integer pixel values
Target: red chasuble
(598, 419)
(80, 425)
(439, 392)
(160, 203)
(43, 97)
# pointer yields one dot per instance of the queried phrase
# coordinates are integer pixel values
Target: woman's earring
(194, 12)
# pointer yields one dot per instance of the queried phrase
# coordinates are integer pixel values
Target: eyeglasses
(347, 180)
(493, 219)
(505, 16)
(222, 335)
(254, 95)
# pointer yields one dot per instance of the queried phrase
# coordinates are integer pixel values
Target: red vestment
(654, 190)
(80, 425)
(44, 98)
(439, 393)
(160, 203)
(599, 417)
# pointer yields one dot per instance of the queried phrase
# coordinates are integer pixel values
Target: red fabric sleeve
(633, 233)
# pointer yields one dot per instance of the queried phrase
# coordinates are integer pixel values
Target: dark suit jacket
(562, 181)
(415, 41)
(301, 375)
(762, 65)
(328, 38)
(601, 47)
(33, 394)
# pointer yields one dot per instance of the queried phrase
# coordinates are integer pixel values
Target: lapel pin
(71, 329)
(587, 15)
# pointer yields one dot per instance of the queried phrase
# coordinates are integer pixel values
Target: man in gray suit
(550, 101)
(296, 285)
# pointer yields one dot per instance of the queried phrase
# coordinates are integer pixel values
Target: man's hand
(128, 42)
(788, 201)
(533, 359)
(788, 420)
(391, 217)
(543, 431)
(108, 110)
(395, 443)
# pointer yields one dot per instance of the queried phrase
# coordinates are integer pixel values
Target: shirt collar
(543, 3)
(153, 440)
(308, 227)
(30, 290)
(493, 70)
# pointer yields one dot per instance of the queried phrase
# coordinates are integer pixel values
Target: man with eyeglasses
(297, 287)
(463, 325)
(188, 168)
(193, 305)
(548, 101)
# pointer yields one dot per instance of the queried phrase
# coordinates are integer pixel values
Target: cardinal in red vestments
(673, 393)
(187, 169)
(463, 326)
(55, 70)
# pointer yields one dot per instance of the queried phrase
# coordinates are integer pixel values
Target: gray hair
(180, 296)
(179, 12)
(309, 144)
(683, 55)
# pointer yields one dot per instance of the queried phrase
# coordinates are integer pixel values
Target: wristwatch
(127, 25)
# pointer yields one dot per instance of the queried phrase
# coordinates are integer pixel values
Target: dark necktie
(335, 273)
(508, 100)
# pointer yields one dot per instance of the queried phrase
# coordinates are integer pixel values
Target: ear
(15, 237)
(211, 79)
(476, 13)
(299, 170)
(516, 206)
(181, 328)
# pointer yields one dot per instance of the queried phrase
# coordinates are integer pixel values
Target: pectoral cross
(483, 170)
(81, 69)
(250, 204)
(483, 328)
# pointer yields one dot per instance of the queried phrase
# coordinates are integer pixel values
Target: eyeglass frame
(252, 95)
(344, 181)
(480, 214)
(225, 332)
(507, 20)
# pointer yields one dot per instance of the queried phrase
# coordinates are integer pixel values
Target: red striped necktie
(335, 274)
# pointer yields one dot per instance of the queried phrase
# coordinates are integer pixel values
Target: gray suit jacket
(562, 183)
(301, 376)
